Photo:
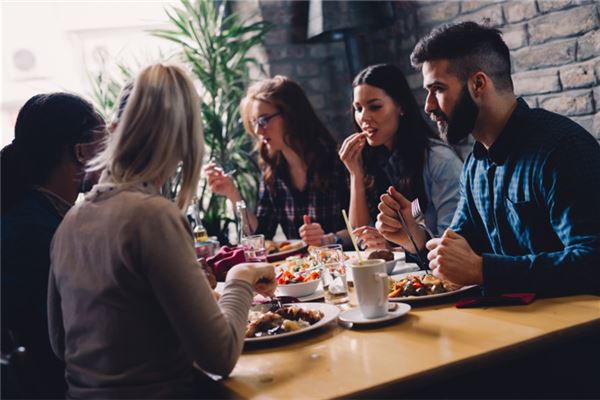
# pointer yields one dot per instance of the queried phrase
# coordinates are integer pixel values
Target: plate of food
(280, 250)
(266, 323)
(298, 277)
(420, 286)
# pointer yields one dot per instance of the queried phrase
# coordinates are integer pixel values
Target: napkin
(509, 299)
(226, 258)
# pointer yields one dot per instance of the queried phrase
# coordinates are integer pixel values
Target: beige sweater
(129, 307)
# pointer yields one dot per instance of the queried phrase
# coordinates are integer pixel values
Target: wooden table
(339, 362)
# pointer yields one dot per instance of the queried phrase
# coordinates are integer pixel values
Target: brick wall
(555, 50)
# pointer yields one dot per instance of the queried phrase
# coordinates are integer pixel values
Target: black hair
(412, 136)
(122, 100)
(47, 125)
(470, 48)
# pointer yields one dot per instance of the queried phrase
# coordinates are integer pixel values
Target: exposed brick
(569, 103)
(436, 13)
(553, 5)
(597, 98)
(563, 24)
(276, 36)
(596, 126)
(285, 69)
(415, 81)
(319, 84)
(491, 16)
(536, 82)
(317, 101)
(548, 55)
(587, 122)
(318, 50)
(531, 101)
(588, 45)
(307, 69)
(297, 51)
(468, 6)
(516, 11)
(277, 53)
(515, 36)
(577, 75)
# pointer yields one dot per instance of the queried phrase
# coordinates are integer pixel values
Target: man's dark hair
(470, 48)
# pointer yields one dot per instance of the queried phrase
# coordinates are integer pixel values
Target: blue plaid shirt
(530, 206)
(287, 205)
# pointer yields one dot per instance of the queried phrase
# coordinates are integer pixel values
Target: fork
(420, 262)
(415, 208)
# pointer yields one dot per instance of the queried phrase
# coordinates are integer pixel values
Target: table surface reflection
(339, 362)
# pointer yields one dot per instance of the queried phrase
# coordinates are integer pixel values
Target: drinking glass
(333, 272)
(254, 248)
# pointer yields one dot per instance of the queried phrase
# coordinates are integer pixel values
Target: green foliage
(215, 45)
(107, 83)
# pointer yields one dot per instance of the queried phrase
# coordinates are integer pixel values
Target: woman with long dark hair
(43, 171)
(303, 185)
(394, 146)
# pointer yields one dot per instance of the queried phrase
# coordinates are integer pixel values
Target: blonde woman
(130, 309)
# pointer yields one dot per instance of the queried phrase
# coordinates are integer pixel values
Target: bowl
(389, 266)
(298, 289)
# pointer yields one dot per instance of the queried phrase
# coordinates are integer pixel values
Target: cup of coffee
(371, 286)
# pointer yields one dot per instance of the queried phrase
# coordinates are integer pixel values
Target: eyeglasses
(263, 121)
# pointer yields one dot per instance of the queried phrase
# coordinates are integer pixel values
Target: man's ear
(478, 84)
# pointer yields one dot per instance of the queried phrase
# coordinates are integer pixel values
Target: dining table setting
(344, 325)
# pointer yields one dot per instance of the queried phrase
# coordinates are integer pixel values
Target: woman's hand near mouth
(351, 153)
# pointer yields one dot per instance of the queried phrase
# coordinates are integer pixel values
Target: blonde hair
(160, 127)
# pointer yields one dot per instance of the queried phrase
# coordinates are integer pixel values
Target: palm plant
(215, 44)
(106, 84)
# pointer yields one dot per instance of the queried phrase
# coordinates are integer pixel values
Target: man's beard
(461, 124)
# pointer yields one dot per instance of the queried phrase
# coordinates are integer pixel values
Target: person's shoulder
(442, 157)
(553, 131)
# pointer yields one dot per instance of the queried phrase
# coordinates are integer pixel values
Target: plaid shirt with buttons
(287, 205)
(530, 205)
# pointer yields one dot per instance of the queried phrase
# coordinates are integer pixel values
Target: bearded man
(529, 218)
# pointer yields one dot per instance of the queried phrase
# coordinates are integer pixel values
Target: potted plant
(215, 44)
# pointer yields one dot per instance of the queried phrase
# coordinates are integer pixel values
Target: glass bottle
(200, 234)
(243, 221)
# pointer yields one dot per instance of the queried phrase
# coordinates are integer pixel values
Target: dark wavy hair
(47, 125)
(303, 130)
(412, 136)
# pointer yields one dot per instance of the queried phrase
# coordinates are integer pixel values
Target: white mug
(371, 285)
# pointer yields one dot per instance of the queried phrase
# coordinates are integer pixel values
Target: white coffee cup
(371, 285)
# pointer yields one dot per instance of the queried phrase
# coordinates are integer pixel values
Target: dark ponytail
(46, 127)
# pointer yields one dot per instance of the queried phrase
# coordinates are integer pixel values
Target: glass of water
(333, 272)
(254, 248)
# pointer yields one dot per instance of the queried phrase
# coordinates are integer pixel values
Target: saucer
(354, 316)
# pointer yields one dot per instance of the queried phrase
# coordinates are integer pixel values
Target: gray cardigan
(129, 307)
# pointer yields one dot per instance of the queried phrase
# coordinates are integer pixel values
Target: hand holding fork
(397, 224)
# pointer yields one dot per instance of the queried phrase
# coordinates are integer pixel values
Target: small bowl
(298, 289)
(390, 265)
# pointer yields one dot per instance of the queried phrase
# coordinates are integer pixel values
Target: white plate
(330, 313)
(354, 315)
(398, 255)
(423, 298)
(281, 255)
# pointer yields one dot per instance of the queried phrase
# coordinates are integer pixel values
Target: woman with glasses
(303, 185)
(129, 307)
(394, 146)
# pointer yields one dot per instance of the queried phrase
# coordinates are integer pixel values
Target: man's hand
(451, 257)
(311, 233)
(389, 225)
